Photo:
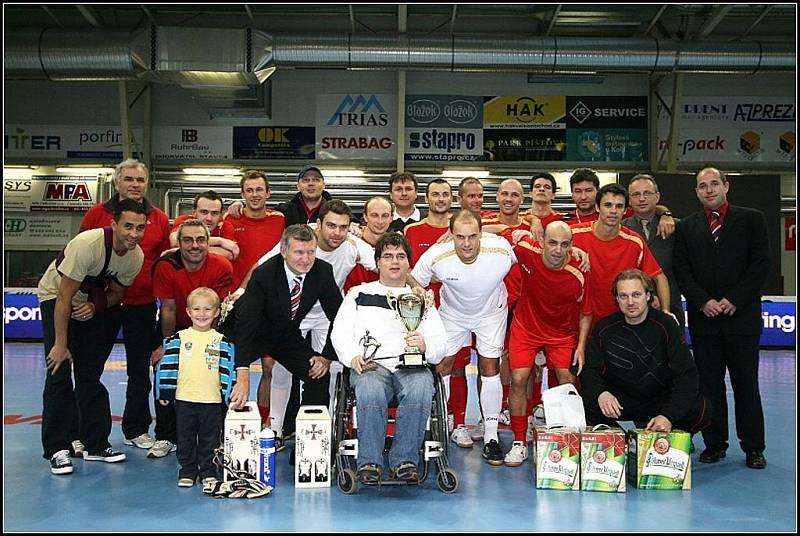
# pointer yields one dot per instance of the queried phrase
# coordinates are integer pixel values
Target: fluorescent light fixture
(462, 173)
(212, 171)
(341, 172)
(87, 169)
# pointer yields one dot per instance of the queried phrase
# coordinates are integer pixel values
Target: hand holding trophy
(411, 310)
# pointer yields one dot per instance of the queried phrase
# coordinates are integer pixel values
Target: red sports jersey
(422, 235)
(609, 258)
(172, 281)
(224, 229)
(513, 279)
(359, 274)
(578, 219)
(551, 301)
(154, 242)
(255, 238)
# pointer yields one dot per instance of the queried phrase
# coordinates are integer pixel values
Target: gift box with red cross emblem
(312, 458)
(242, 428)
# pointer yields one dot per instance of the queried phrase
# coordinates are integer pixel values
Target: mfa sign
(444, 128)
(273, 142)
(49, 193)
(60, 141)
(355, 126)
(187, 143)
(524, 112)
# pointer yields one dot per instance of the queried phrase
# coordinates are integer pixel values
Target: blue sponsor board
(260, 143)
(606, 145)
(444, 111)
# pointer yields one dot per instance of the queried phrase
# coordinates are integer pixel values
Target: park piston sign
(53, 193)
(356, 126)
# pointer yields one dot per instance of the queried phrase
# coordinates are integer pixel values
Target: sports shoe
(60, 464)
(492, 453)
(143, 441)
(517, 454)
(477, 431)
(460, 437)
(407, 472)
(161, 448)
(504, 417)
(529, 432)
(538, 415)
(77, 448)
(185, 482)
(369, 473)
(108, 455)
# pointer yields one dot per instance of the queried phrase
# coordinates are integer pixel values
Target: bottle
(266, 464)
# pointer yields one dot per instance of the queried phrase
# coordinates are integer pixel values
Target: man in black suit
(280, 293)
(721, 263)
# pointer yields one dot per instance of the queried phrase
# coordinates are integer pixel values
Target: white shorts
(490, 333)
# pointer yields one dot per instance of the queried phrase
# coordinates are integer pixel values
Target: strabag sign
(356, 126)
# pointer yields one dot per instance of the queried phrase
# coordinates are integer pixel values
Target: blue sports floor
(140, 495)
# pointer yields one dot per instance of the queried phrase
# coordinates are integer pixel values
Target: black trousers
(199, 428)
(89, 348)
(738, 354)
(640, 411)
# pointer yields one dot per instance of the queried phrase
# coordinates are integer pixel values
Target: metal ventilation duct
(202, 57)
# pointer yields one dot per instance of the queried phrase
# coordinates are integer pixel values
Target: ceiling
(680, 22)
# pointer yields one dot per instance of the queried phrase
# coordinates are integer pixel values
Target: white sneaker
(517, 455)
(144, 441)
(107, 455)
(477, 431)
(504, 417)
(460, 437)
(60, 464)
(529, 433)
(161, 448)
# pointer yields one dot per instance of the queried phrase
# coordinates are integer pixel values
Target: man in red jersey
(551, 316)
(137, 312)
(612, 249)
(207, 208)
(377, 217)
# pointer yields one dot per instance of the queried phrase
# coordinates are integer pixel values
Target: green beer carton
(603, 453)
(659, 460)
(558, 456)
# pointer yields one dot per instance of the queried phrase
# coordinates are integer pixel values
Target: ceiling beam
(149, 14)
(655, 19)
(90, 15)
(453, 18)
(758, 20)
(553, 19)
(250, 15)
(52, 16)
(713, 21)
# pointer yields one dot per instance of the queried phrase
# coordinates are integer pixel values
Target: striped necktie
(715, 224)
(646, 229)
(294, 295)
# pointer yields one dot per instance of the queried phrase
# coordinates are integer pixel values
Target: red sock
(536, 397)
(552, 380)
(506, 389)
(264, 411)
(519, 425)
(458, 399)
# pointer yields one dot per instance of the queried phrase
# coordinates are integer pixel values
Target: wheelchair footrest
(348, 447)
(433, 449)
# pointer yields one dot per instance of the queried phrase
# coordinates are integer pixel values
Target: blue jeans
(413, 390)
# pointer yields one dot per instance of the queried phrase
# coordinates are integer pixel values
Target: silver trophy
(411, 309)
(370, 345)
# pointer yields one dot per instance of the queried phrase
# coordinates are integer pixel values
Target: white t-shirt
(468, 290)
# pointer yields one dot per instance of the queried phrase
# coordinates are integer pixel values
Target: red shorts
(523, 348)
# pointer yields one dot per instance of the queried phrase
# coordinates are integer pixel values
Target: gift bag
(563, 406)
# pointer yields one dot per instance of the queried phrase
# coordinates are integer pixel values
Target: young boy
(197, 372)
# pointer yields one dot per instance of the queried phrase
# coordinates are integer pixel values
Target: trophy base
(412, 359)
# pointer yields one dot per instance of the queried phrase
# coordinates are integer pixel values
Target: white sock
(491, 402)
(280, 389)
(446, 382)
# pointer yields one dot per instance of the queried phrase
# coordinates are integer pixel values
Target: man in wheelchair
(370, 338)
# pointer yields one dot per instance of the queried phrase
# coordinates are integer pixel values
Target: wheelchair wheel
(439, 423)
(447, 480)
(339, 420)
(346, 480)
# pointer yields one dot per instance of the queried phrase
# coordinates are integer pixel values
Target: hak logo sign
(66, 191)
(359, 112)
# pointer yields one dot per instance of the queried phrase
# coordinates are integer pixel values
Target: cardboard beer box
(558, 456)
(660, 460)
(603, 453)
(242, 428)
(312, 448)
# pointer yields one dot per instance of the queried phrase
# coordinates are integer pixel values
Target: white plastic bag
(563, 406)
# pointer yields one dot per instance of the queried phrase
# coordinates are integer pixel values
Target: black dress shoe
(711, 455)
(756, 460)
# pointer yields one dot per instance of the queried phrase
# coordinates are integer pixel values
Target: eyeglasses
(643, 195)
(390, 257)
(188, 240)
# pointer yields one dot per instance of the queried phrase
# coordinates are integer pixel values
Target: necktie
(294, 295)
(646, 229)
(715, 224)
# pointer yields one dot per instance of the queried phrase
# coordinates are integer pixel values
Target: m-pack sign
(542, 111)
(607, 112)
(273, 142)
(444, 111)
(356, 125)
(50, 193)
(192, 142)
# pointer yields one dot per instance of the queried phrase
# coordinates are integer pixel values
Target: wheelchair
(434, 449)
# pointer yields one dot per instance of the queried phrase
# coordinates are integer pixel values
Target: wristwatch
(667, 213)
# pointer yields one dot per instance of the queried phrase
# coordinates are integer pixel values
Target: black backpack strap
(109, 241)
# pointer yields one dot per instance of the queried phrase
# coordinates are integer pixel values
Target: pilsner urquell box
(558, 456)
(603, 453)
(660, 460)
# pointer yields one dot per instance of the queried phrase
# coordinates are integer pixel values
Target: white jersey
(468, 290)
(343, 259)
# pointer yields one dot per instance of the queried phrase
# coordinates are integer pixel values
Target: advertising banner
(190, 143)
(547, 112)
(444, 127)
(621, 112)
(49, 193)
(733, 129)
(63, 141)
(356, 126)
(509, 144)
(790, 233)
(607, 144)
(257, 143)
(22, 229)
